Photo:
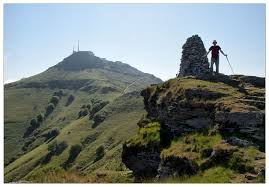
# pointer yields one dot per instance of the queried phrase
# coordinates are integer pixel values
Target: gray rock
(142, 161)
(175, 166)
(239, 142)
(249, 123)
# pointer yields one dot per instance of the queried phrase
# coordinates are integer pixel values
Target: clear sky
(146, 36)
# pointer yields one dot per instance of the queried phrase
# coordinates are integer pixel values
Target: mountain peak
(80, 60)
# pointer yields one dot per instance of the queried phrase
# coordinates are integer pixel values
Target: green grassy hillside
(68, 123)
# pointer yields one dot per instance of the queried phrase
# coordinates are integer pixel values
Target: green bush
(49, 109)
(34, 124)
(70, 99)
(143, 121)
(239, 162)
(60, 93)
(97, 107)
(73, 153)
(40, 118)
(99, 118)
(54, 100)
(148, 136)
(99, 153)
(28, 143)
(83, 112)
(51, 134)
(89, 139)
(54, 149)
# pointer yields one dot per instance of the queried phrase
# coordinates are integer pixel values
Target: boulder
(175, 166)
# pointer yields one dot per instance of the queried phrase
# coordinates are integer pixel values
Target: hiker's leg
(211, 65)
(217, 65)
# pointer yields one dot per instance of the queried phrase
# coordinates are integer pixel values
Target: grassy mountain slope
(80, 140)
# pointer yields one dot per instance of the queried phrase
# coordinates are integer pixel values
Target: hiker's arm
(223, 53)
(207, 52)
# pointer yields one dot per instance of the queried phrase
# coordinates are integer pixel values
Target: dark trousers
(214, 61)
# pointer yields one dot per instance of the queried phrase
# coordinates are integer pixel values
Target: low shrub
(99, 118)
(83, 112)
(148, 136)
(60, 93)
(51, 134)
(49, 109)
(70, 99)
(34, 124)
(99, 153)
(54, 149)
(40, 118)
(96, 107)
(54, 100)
(73, 153)
(57, 148)
(89, 139)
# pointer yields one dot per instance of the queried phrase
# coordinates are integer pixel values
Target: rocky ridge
(198, 122)
(186, 107)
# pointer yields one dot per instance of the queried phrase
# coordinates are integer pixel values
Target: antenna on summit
(78, 45)
(73, 49)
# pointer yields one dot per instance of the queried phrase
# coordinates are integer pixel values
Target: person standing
(215, 56)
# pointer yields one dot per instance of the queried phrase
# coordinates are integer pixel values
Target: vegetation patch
(49, 109)
(70, 99)
(98, 119)
(148, 135)
(51, 134)
(99, 153)
(73, 153)
(34, 124)
(54, 149)
(89, 139)
(54, 100)
(195, 146)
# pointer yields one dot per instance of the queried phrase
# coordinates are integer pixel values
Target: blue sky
(146, 36)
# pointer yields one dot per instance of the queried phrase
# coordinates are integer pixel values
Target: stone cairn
(193, 62)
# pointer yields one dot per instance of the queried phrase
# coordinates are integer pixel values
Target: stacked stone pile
(193, 62)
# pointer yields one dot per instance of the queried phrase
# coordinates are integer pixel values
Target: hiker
(215, 56)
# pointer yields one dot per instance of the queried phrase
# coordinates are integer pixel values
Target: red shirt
(215, 51)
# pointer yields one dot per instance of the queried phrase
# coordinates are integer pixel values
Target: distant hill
(68, 123)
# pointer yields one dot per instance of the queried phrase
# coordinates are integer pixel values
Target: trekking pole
(230, 64)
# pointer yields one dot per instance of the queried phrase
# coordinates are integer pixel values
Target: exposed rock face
(202, 106)
(143, 162)
(239, 142)
(190, 105)
(175, 166)
(250, 123)
(193, 61)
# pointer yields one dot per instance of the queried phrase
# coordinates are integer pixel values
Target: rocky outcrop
(239, 142)
(143, 162)
(211, 106)
(249, 123)
(142, 153)
(183, 108)
(193, 60)
(176, 166)
(205, 120)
